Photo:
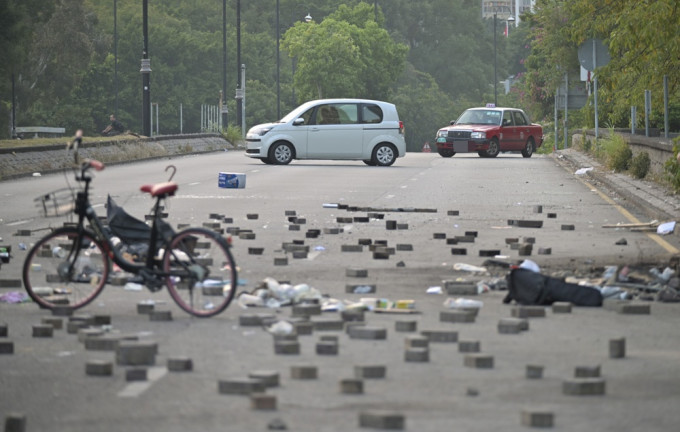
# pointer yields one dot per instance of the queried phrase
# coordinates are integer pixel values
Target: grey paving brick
(99, 368)
(3, 329)
(240, 386)
(457, 316)
(561, 307)
(263, 402)
(469, 346)
(180, 364)
(160, 315)
(287, 347)
(136, 353)
(617, 348)
(268, 377)
(15, 422)
(43, 330)
(351, 386)
(56, 322)
(528, 311)
(370, 371)
(534, 371)
(584, 387)
(587, 371)
(478, 361)
(380, 420)
(441, 336)
(304, 372)
(368, 332)
(417, 355)
(414, 341)
(6, 347)
(136, 374)
(537, 419)
(406, 326)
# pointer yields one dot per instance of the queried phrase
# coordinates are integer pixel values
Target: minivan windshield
(297, 112)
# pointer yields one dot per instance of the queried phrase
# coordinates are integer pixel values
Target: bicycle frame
(84, 210)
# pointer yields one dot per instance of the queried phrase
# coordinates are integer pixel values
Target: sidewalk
(647, 198)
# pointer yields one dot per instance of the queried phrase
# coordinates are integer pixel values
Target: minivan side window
(371, 113)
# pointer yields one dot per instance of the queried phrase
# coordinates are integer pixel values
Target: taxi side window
(519, 119)
(507, 118)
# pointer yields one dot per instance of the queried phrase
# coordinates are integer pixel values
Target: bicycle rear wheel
(56, 273)
(202, 273)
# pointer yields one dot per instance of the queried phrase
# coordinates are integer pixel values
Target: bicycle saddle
(163, 190)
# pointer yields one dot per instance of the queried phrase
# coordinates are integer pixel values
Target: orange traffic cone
(426, 147)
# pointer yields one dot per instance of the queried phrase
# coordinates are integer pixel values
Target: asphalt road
(45, 379)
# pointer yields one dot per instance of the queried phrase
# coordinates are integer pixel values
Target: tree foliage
(433, 58)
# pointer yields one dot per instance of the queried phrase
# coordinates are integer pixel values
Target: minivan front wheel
(281, 154)
(384, 155)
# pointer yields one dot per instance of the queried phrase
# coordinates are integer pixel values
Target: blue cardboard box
(231, 180)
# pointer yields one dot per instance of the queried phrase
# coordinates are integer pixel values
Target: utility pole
(223, 98)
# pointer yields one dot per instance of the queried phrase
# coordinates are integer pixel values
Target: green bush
(617, 153)
(233, 134)
(672, 168)
(639, 165)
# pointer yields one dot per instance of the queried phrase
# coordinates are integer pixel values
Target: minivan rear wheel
(281, 154)
(384, 155)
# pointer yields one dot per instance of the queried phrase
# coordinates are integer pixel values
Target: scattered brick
(361, 219)
(85, 333)
(255, 251)
(538, 209)
(252, 216)
(439, 236)
(351, 386)
(62, 310)
(356, 272)
(368, 332)
(404, 247)
(511, 240)
(538, 419)
(6, 347)
(55, 322)
(268, 378)
(561, 307)
(43, 330)
(304, 372)
(136, 353)
(453, 213)
(327, 348)
(242, 386)
(332, 230)
(157, 315)
(417, 355)
(326, 324)
(180, 364)
(552, 215)
(528, 311)
(377, 420)
(99, 368)
(633, 308)
(290, 212)
(402, 226)
(457, 316)
(617, 348)
(489, 252)
(406, 326)
(469, 346)
(534, 372)
(360, 288)
(587, 371)
(135, 374)
(584, 387)
(479, 361)
(441, 336)
(350, 325)
(3, 329)
(345, 220)
(354, 314)
(15, 422)
(370, 371)
(303, 328)
(512, 325)
(531, 240)
(262, 402)
(458, 251)
(287, 347)
(567, 227)
(465, 239)
(525, 223)
(10, 283)
(414, 341)
(525, 249)
(391, 224)
(306, 309)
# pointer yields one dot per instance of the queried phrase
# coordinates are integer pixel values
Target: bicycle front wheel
(201, 272)
(58, 273)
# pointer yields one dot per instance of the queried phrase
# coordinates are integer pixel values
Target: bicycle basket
(57, 203)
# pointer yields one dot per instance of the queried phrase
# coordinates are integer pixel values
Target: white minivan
(337, 129)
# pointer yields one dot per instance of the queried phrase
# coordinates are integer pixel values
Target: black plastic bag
(530, 288)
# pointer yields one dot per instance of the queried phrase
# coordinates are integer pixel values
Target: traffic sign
(592, 54)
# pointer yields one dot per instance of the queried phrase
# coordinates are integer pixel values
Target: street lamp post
(225, 111)
(278, 64)
(146, 72)
(115, 56)
(495, 65)
(239, 89)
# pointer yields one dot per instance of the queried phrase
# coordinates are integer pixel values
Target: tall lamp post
(278, 64)
(146, 72)
(239, 67)
(225, 111)
(495, 65)
(115, 55)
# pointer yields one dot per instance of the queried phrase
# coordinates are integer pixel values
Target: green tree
(338, 58)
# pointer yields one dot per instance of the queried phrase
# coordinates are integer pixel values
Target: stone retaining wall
(23, 161)
(658, 149)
